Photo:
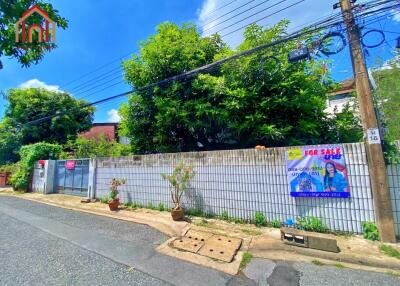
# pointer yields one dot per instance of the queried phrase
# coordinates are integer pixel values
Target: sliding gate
(72, 177)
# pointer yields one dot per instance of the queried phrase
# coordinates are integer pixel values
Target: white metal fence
(242, 182)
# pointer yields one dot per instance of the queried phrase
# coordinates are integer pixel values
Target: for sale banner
(317, 172)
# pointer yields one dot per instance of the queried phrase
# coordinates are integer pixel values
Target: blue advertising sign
(317, 172)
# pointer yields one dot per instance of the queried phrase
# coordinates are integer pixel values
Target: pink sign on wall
(70, 164)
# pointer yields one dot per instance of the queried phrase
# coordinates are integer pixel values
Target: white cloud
(35, 83)
(396, 17)
(113, 116)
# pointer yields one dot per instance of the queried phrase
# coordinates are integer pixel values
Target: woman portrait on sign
(334, 181)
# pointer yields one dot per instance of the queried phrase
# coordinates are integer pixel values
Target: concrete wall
(243, 182)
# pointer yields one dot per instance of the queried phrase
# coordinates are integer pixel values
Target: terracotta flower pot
(113, 205)
(178, 214)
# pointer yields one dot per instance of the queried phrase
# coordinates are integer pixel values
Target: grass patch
(389, 251)
(393, 273)
(247, 256)
(251, 231)
(203, 223)
(317, 262)
(339, 265)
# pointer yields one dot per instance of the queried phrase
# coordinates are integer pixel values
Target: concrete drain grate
(187, 244)
(207, 244)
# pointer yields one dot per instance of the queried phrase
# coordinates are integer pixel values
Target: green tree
(158, 120)
(258, 99)
(388, 97)
(10, 142)
(100, 147)
(25, 105)
(10, 12)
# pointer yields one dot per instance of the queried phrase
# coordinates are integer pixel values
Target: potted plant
(113, 201)
(179, 179)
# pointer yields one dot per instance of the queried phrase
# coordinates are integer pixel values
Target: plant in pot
(113, 201)
(179, 180)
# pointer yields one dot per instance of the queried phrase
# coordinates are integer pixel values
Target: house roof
(345, 86)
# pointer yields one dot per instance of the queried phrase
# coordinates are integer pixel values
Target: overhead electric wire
(237, 8)
(96, 79)
(274, 13)
(190, 74)
(234, 16)
(329, 19)
(219, 8)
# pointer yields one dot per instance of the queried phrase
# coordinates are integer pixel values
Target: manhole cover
(198, 235)
(214, 246)
(221, 247)
(187, 244)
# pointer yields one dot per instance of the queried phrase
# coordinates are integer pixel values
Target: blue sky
(103, 32)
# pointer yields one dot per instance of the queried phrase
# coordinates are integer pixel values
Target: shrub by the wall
(29, 154)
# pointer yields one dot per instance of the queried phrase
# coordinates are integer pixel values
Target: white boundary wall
(242, 182)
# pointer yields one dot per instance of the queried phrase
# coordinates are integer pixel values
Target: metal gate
(72, 181)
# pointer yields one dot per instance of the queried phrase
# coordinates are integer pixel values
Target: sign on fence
(317, 172)
(70, 165)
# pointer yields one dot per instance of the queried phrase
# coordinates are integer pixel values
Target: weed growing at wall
(370, 230)
(259, 219)
(276, 223)
(312, 224)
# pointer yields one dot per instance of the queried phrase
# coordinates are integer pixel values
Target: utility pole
(376, 163)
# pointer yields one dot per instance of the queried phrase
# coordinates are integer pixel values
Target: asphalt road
(45, 245)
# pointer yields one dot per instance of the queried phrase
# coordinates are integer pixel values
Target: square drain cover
(188, 244)
(218, 252)
(198, 235)
(224, 241)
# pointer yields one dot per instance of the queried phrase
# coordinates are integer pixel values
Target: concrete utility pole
(376, 163)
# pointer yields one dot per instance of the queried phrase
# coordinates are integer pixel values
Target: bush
(104, 200)
(370, 230)
(29, 154)
(161, 207)
(276, 223)
(259, 219)
(312, 224)
(224, 215)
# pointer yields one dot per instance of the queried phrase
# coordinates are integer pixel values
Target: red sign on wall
(70, 164)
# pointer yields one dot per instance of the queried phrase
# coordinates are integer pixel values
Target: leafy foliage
(259, 219)
(179, 180)
(29, 104)
(370, 230)
(276, 223)
(100, 147)
(10, 142)
(224, 215)
(312, 224)
(115, 183)
(10, 12)
(390, 251)
(249, 101)
(29, 155)
(387, 95)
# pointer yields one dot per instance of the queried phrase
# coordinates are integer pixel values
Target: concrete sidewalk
(356, 252)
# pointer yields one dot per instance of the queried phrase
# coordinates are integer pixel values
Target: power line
(274, 13)
(234, 16)
(190, 74)
(219, 8)
(213, 20)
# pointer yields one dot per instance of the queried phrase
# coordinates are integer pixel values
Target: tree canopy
(10, 12)
(25, 105)
(260, 99)
(387, 93)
